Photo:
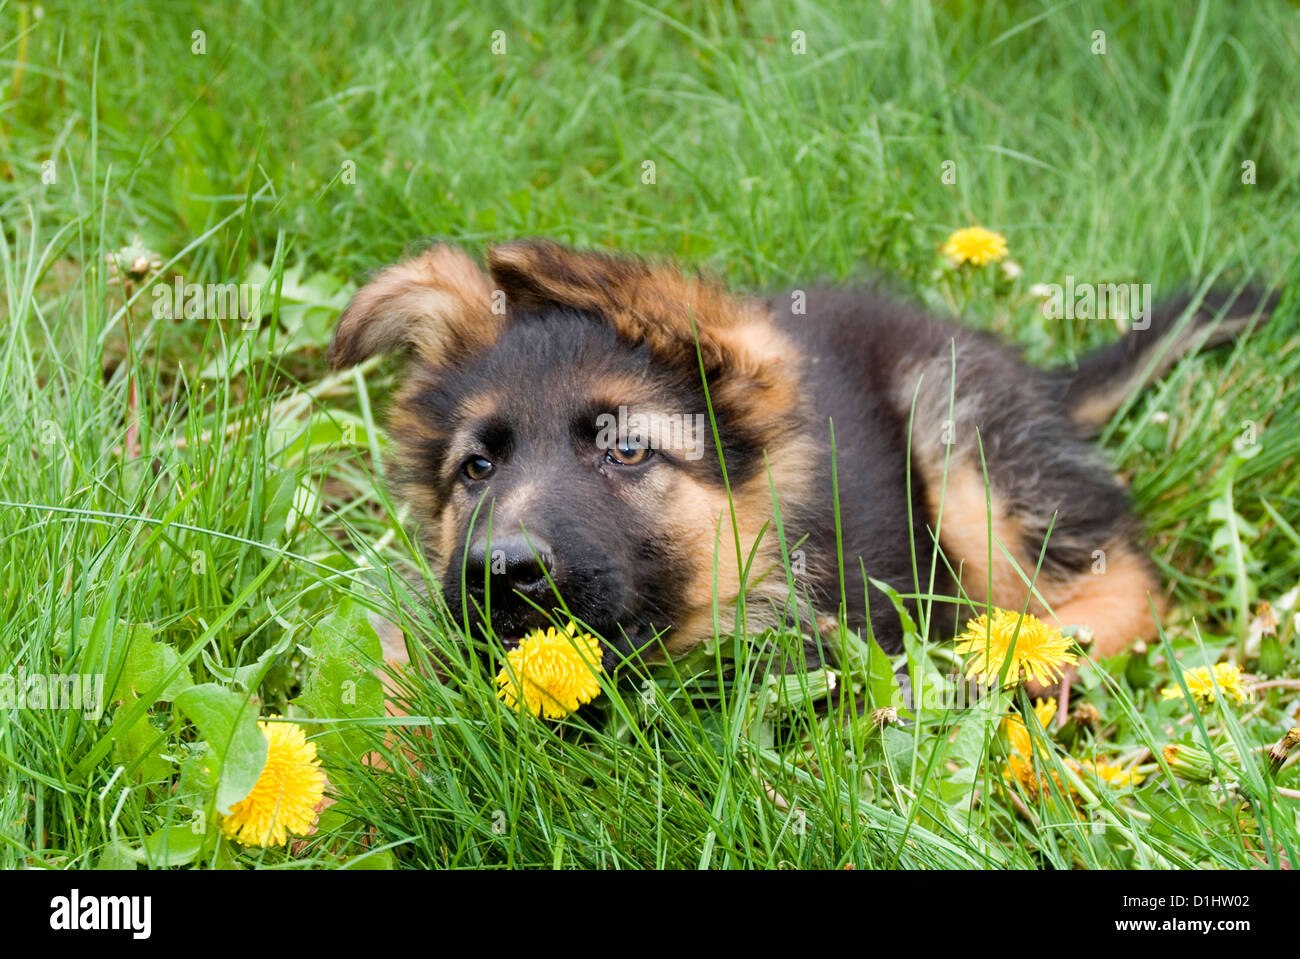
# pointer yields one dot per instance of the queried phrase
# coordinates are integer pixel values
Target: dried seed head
(885, 716)
(1278, 752)
(1086, 714)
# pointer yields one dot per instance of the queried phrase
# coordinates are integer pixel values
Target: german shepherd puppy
(578, 426)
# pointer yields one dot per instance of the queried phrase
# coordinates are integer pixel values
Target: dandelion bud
(1278, 752)
(793, 691)
(1189, 762)
(1271, 658)
(1138, 672)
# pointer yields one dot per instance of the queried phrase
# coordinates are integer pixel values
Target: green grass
(255, 516)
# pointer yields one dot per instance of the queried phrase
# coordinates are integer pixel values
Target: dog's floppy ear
(438, 303)
(653, 304)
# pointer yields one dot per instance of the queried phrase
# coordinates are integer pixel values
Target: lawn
(193, 506)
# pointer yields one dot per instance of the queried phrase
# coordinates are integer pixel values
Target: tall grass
(238, 500)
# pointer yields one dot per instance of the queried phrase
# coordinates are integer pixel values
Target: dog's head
(555, 439)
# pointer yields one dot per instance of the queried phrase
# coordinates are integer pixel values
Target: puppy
(593, 437)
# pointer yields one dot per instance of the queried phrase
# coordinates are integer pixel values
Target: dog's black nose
(511, 563)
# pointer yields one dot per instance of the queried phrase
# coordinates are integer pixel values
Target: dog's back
(996, 460)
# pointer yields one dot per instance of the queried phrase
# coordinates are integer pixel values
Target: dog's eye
(629, 454)
(477, 468)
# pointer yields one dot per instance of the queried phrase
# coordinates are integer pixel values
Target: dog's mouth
(617, 641)
(511, 637)
(511, 641)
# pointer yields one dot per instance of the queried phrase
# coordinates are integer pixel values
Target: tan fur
(1100, 404)
(448, 535)
(478, 406)
(1114, 604)
(964, 537)
(651, 304)
(696, 518)
(409, 431)
(1094, 411)
(707, 522)
(439, 303)
(614, 389)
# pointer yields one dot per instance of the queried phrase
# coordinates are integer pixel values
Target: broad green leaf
(200, 771)
(175, 845)
(341, 682)
(228, 721)
(248, 677)
(928, 685)
(862, 657)
(115, 856)
(382, 860)
(147, 664)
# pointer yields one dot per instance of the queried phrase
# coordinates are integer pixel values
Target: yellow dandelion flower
(1031, 646)
(1020, 761)
(1198, 683)
(975, 245)
(1032, 781)
(1045, 710)
(1111, 774)
(551, 673)
(1017, 733)
(1022, 770)
(286, 795)
(1232, 682)
(1228, 676)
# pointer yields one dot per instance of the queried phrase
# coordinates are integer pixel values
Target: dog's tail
(1106, 377)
